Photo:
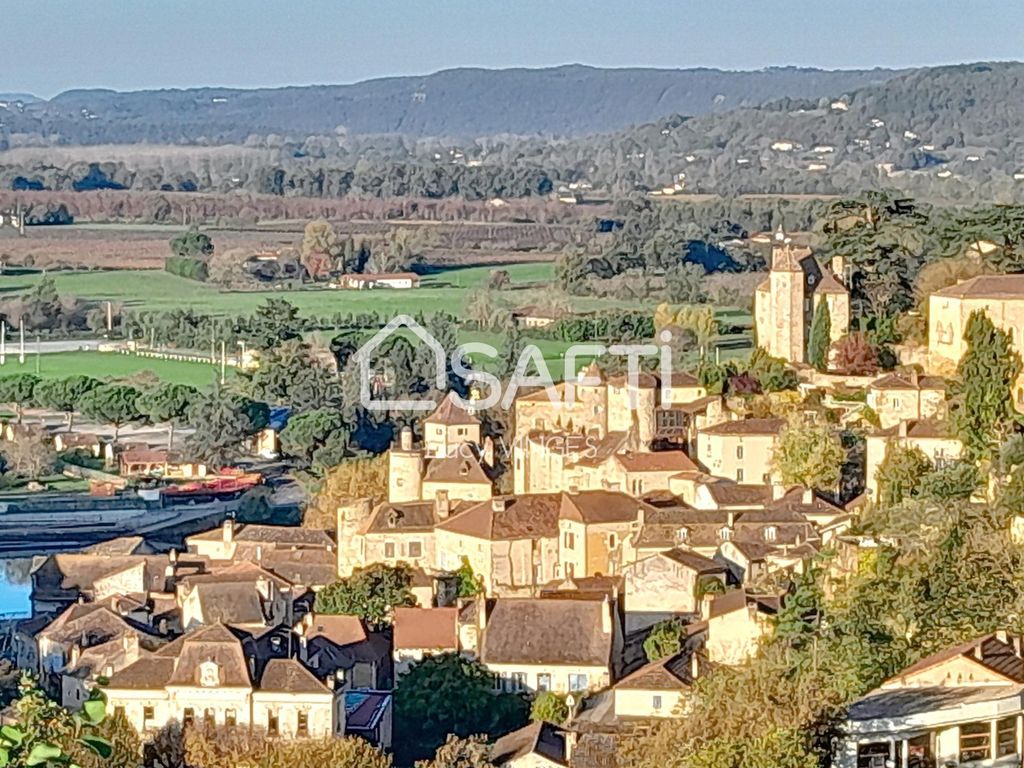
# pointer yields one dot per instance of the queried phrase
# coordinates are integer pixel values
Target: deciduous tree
(372, 593)
(810, 455)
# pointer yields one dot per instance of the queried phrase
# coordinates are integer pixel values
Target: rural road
(49, 347)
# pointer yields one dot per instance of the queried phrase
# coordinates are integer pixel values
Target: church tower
(780, 312)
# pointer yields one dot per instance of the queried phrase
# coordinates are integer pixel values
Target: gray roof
(547, 631)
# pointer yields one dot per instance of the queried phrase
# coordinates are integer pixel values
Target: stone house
(736, 623)
(659, 689)
(340, 648)
(900, 397)
(961, 706)
(931, 437)
(740, 450)
(667, 585)
(785, 303)
(206, 676)
(1001, 297)
(550, 644)
(422, 632)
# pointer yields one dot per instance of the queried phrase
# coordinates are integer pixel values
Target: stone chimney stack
(606, 616)
(442, 505)
(694, 666)
(405, 439)
(228, 530)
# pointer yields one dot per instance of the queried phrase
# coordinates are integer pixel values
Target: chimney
(778, 491)
(108, 671)
(570, 745)
(705, 607)
(730, 518)
(161, 627)
(641, 516)
(488, 452)
(694, 666)
(606, 616)
(481, 614)
(808, 496)
(172, 556)
(838, 265)
(228, 530)
(76, 651)
(914, 378)
(259, 553)
(902, 429)
(330, 682)
(442, 505)
(405, 439)
(499, 504)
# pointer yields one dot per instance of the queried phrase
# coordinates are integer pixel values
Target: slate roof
(547, 631)
(455, 469)
(230, 603)
(673, 673)
(739, 598)
(694, 561)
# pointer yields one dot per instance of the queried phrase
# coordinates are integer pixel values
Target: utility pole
(3, 342)
(110, 318)
(152, 338)
(39, 352)
(21, 342)
(223, 362)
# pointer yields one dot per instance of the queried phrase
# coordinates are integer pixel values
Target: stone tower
(351, 518)
(405, 469)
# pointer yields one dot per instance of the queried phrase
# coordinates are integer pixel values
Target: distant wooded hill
(568, 100)
(950, 133)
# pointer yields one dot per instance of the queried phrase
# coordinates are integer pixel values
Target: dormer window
(725, 534)
(682, 535)
(209, 674)
(771, 533)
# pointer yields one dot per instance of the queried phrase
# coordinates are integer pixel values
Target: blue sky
(52, 45)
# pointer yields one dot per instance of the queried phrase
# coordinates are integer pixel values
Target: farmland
(110, 365)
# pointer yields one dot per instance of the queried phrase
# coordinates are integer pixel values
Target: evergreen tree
(821, 331)
(982, 413)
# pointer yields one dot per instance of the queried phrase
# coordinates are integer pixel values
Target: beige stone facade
(930, 437)
(785, 303)
(1001, 297)
(901, 397)
(740, 450)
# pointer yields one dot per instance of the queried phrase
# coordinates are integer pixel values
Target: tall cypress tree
(982, 413)
(821, 330)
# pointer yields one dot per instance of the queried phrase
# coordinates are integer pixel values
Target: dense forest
(567, 100)
(945, 133)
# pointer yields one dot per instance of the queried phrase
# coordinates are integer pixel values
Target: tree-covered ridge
(466, 102)
(940, 132)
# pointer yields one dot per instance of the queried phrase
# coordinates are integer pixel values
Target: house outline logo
(362, 355)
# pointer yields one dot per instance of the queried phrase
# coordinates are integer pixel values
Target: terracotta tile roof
(427, 628)
(547, 631)
(660, 461)
(537, 738)
(340, 629)
(923, 428)
(728, 493)
(987, 287)
(289, 676)
(829, 283)
(683, 379)
(747, 427)
(455, 469)
(739, 599)
(694, 561)
(673, 673)
(596, 507)
(503, 518)
(451, 413)
(907, 381)
(281, 535)
(405, 516)
(994, 654)
(696, 406)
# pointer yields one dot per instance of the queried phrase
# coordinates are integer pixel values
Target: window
(415, 549)
(682, 535)
(147, 714)
(873, 755)
(118, 711)
(771, 533)
(389, 550)
(895, 402)
(188, 716)
(656, 703)
(975, 740)
(739, 451)
(725, 533)
(272, 725)
(229, 718)
(1006, 736)
(544, 682)
(612, 540)
(577, 682)
(739, 475)
(569, 540)
(209, 718)
(518, 682)
(302, 727)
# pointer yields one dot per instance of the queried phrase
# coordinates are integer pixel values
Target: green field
(159, 290)
(105, 365)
